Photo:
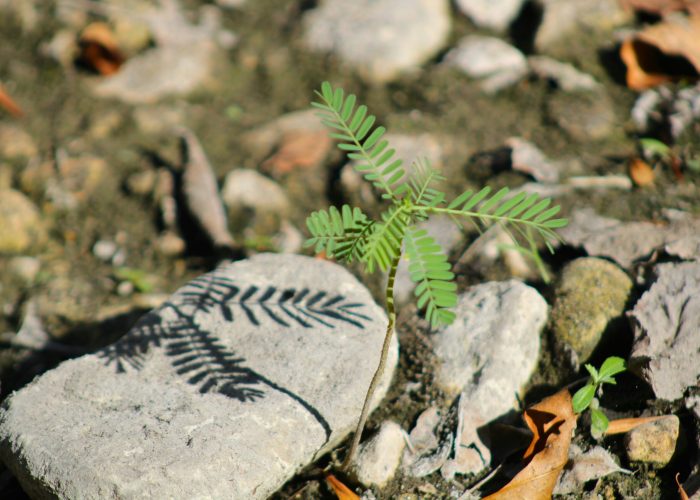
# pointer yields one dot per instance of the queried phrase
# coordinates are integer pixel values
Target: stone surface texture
(242, 377)
(493, 14)
(378, 458)
(654, 441)
(487, 355)
(589, 295)
(381, 38)
(490, 59)
(21, 226)
(665, 322)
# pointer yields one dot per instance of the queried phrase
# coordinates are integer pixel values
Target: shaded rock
(381, 38)
(242, 378)
(170, 244)
(653, 442)
(566, 18)
(664, 108)
(665, 322)
(687, 248)
(378, 458)
(497, 64)
(299, 149)
(21, 226)
(625, 242)
(590, 294)
(254, 201)
(490, 248)
(426, 453)
(493, 14)
(487, 354)
(15, 143)
(446, 233)
(262, 140)
(583, 467)
(586, 116)
(566, 76)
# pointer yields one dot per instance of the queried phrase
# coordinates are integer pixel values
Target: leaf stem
(382, 363)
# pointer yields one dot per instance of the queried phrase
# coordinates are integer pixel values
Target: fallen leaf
(662, 7)
(551, 421)
(9, 104)
(299, 149)
(681, 491)
(641, 172)
(340, 490)
(583, 467)
(622, 425)
(99, 50)
(667, 51)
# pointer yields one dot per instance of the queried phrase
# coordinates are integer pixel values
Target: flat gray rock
(381, 38)
(487, 355)
(241, 378)
(666, 321)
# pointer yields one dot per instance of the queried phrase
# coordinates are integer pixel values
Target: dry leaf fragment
(641, 172)
(622, 425)
(99, 50)
(681, 491)
(551, 421)
(668, 51)
(340, 490)
(299, 149)
(9, 104)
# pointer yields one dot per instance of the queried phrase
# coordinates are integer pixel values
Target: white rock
(665, 322)
(379, 457)
(493, 14)
(566, 76)
(246, 188)
(381, 38)
(496, 63)
(487, 354)
(243, 377)
(527, 158)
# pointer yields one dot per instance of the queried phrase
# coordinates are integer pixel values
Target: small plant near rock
(586, 396)
(348, 234)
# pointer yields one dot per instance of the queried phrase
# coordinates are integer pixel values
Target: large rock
(494, 14)
(487, 355)
(665, 322)
(381, 38)
(243, 377)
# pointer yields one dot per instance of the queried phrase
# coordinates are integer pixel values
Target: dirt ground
(267, 74)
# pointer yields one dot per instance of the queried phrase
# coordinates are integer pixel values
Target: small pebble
(654, 442)
(379, 457)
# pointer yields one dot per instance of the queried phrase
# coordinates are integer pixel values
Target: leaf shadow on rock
(200, 356)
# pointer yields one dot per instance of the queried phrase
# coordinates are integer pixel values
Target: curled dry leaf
(681, 491)
(551, 421)
(340, 490)
(622, 425)
(641, 172)
(9, 104)
(664, 52)
(99, 49)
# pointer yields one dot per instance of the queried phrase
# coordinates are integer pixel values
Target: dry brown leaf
(641, 172)
(551, 421)
(668, 51)
(99, 50)
(299, 149)
(681, 491)
(662, 7)
(340, 490)
(9, 104)
(622, 425)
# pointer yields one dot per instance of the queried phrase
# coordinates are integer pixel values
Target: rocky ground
(144, 143)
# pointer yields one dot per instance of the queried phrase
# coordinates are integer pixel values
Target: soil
(265, 76)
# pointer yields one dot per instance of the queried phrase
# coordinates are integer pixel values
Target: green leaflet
(412, 196)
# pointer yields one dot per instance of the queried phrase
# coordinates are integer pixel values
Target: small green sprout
(586, 395)
(411, 196)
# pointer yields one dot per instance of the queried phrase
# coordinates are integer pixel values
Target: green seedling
(586, 396)
(412, 196)
(136, 277)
